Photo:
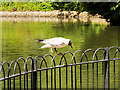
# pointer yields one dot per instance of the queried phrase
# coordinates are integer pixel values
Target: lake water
(18, 37)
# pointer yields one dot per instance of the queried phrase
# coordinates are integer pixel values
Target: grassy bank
(51, 16)
(42, 6)
(27, 6)
(110, 11)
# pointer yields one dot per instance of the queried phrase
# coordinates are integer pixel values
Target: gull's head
(70, 44)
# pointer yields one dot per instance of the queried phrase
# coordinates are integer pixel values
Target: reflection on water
(95, 20)
(18, 40)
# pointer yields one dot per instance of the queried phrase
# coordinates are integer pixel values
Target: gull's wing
(46, 46)
(54, 41)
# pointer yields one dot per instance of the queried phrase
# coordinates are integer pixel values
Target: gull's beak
(70, 44)
(71, 47)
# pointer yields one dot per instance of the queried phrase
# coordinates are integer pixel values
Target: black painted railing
(67, 72)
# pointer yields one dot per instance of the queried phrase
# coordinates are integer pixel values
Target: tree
(110, 10)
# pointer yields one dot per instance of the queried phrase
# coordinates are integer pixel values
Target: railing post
(107, 69)
(34, 75)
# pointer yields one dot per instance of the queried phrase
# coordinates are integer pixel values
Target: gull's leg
(56, 52)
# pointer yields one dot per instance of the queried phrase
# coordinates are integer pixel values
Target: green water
(18, 40)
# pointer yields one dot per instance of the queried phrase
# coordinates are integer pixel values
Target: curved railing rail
(8, 74)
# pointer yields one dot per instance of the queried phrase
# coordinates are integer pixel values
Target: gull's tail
(38, 40)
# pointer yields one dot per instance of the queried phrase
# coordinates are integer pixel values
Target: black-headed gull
(57, 42)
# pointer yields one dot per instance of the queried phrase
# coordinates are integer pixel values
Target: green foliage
(110, 10)
(27, 6)
(69, 6)
(42, 6)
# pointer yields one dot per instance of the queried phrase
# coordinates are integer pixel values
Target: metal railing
(63, 73)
